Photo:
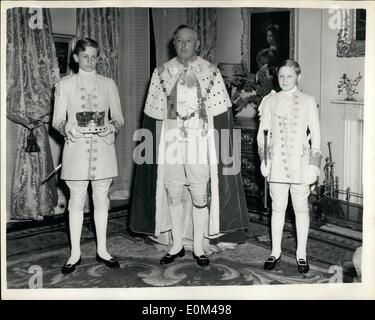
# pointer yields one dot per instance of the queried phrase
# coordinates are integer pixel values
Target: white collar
(86, 73)
(189, 63)
(290, 92)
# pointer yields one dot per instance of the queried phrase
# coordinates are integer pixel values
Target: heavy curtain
(203, 20)
(31, 72)
(102, 25)
(133, 83)
(166, 20)
(128, 63)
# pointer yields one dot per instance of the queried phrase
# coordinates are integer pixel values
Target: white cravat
(86, 73)
(285, 102)
(290, 92)
(88, 79)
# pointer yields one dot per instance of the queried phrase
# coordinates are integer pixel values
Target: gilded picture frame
(247, 42)
(351, 37)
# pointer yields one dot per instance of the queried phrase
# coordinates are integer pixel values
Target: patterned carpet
(140, 268)
(323, 248)
(46, 248)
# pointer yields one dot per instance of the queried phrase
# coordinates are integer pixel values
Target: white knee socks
(75, 229)
(177, 218)
(200, 219)
(302, 226)
(277, 226)
(101, 203)
(76, 204)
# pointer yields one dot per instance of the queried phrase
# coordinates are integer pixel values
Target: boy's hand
(311, 174)
(265, 169)
(110, 129)
(109, 134)
(72, 133)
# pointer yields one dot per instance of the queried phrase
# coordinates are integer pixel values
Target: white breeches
(78, 192)
(185, 172)
(279, 193)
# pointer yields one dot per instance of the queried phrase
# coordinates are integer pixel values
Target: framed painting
(269, 33)
(352, 35)
(62, 51)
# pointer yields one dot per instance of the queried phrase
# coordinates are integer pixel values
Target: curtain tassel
(32, 145)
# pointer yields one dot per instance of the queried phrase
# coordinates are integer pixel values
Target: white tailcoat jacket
(287, 118)
(89, 158)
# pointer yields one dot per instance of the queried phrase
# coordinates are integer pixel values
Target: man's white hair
(184, 26)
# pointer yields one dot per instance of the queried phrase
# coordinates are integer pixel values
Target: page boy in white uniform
(292, 164)
(83, 102)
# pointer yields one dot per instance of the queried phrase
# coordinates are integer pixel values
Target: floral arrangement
(249, 91)
(349, 85)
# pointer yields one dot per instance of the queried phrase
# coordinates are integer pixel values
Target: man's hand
(265, 169)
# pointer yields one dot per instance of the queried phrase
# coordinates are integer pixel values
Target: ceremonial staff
(52, 173)
(265, 133)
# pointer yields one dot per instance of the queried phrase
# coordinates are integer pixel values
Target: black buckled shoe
(111, 263)
(70, 267)
(201, 260)
(271, 262)
(303, 266)
(169, 258)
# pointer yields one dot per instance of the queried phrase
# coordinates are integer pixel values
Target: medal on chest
(183, 129)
